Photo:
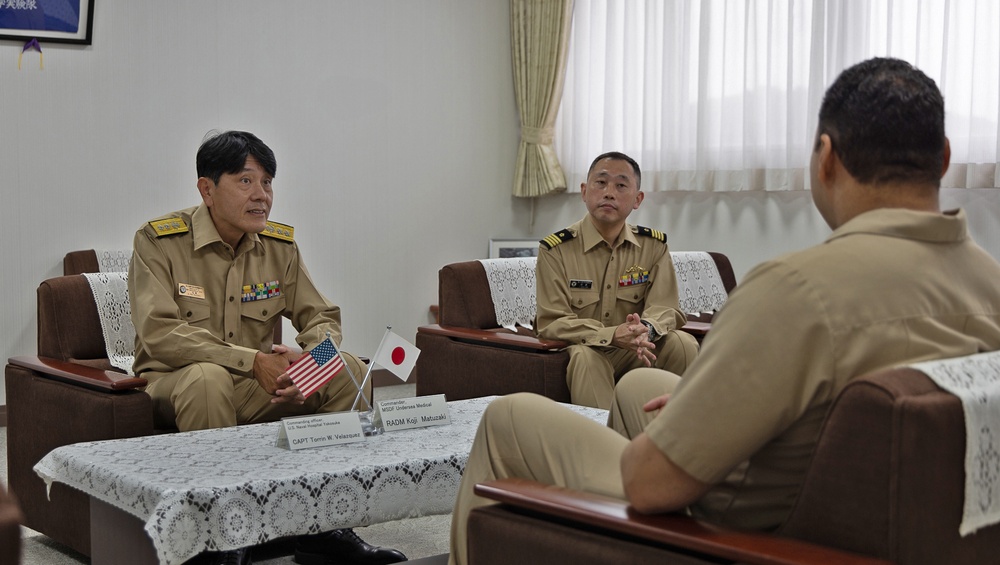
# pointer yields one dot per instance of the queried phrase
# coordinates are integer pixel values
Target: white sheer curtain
(720, 95)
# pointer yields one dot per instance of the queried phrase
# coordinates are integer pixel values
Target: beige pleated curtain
(539, 37)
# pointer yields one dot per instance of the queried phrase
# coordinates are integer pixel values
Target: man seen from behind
(897, 282)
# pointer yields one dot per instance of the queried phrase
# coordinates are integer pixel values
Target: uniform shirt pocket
(632, 293)
(583, 301)
(193, 311)
(263, 310)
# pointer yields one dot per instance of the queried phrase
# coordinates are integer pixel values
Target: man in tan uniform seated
(207, 286)
(897, 282)
(609, 288)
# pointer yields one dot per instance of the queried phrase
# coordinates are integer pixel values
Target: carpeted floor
(416, 538)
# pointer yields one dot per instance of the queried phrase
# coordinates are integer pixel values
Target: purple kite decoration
(32, 45)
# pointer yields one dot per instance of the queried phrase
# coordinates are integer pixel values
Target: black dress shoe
(239, 556)
(342, 547)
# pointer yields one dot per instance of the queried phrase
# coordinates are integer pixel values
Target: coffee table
(166, 498)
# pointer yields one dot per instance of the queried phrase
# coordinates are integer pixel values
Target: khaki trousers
(529, 436)
(204, 395)
(593, 371)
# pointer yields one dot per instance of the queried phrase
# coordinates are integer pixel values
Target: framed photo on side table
(48, 21)
(507, 248)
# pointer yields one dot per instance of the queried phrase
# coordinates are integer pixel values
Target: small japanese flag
(397, 355)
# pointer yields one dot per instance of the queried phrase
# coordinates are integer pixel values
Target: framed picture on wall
(48, 21)
(507, 248)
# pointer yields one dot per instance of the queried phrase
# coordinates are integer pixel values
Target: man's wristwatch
(652, 333)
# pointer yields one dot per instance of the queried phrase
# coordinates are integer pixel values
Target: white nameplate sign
(319, 430)
(417, 412)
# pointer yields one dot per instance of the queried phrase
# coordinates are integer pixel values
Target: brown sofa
(886, 485)
(67, 394)
(467, 354)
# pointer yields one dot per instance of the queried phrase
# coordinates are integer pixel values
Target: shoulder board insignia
(169, 226)
(279, 231)
(655, 234)
(555, 239)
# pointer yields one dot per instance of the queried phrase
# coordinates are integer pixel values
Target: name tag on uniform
(191, 291)
(578, 283)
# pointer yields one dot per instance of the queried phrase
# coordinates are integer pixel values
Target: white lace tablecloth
(228, 488)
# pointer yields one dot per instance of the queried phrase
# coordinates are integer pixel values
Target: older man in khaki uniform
(202, 317)
(207, 286)
(897, 282)
(609, 288)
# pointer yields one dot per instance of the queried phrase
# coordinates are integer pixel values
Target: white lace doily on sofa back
(512, 285)
(110, 292)
(699, 285)
(113, 260)
(975, 380)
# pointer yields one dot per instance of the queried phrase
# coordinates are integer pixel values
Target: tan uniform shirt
(890, 287)
(194, 299)
(585, 288)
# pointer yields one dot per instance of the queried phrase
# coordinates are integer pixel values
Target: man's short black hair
(227, 152)
(617, 156)
(886, 121)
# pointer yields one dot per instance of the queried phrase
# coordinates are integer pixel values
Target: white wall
(393, 123)
(394, 127)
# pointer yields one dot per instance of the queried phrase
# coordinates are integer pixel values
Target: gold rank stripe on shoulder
(169, 226)
(555, 239)
(279, 231)
(650, 232)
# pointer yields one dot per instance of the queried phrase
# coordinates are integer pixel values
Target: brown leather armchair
(886, 484)
(67, 394)
(467, 354)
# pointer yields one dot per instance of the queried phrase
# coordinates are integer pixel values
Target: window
(723, 95)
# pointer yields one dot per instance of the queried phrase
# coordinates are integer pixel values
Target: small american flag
(315, 369)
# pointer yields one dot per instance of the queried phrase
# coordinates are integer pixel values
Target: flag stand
(371, 425)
